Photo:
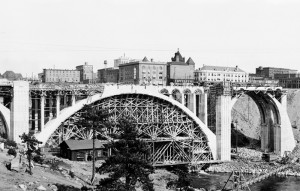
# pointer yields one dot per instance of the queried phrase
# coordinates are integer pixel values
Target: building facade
(288, 80)
(143, 72)
(122, 60)
(82, 150)
(59, 75)
(108, 75)
(220, 73)
(86, 72)
(269, 72)
(180, 72)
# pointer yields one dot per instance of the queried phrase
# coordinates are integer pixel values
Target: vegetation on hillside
(128, 161)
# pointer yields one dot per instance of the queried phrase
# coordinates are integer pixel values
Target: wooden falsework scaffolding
(173, 137)
(236, 181)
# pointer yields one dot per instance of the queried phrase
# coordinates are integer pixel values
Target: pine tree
(32, 147)
(184, 180)
(94, 119)
(128, 161)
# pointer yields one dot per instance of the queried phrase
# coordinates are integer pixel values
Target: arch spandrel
(5, 116)
(287, 142)
(200, 130)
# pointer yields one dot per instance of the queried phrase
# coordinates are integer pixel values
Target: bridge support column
(265, 137)
(268, 132)
(191, 101)
(223, 127)
(35, 114)
(203, 108)
(277, 138)
(42, 114)
(57, 105)
(182, 98)
(195, 104)
(283, 100)
(19, 115)
(73, 99)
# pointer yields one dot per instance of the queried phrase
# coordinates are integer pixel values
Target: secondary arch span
(276, 130)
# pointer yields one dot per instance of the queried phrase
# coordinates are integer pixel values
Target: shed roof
(83, 144)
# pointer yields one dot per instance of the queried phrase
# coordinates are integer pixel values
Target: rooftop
(83, 144)
(261, 68)
(144, 61)
(178, 57)
(222, 68)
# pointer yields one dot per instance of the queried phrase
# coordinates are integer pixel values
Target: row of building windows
(214, 74)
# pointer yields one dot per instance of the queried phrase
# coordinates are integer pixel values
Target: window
(134, 73)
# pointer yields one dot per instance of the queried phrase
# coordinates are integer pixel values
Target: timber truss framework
(173, 137)
(66, 89)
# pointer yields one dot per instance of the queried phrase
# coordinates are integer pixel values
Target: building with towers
(179, 71)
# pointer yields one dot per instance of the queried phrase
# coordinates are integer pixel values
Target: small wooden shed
(82, 150)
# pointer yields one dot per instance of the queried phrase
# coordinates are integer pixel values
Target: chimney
(85, 63)
(151, 59)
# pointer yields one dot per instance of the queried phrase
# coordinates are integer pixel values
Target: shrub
(12, 151)
(71, 173)
(66, 187)
(54, 165)
(10, 143)
(38, 159)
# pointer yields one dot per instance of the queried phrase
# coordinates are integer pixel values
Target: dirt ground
(11, 180)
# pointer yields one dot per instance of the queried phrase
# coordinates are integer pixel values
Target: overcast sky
(37, 34)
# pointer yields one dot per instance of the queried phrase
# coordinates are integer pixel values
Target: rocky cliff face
(246, 112)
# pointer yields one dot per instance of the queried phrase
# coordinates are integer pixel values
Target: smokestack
(105, 63)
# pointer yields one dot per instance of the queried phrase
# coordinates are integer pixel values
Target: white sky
(37, 34)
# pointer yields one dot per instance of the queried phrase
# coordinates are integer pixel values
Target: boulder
(30, 183)
(41, 187)
(15, 164)
(53, 187)
(23, 186)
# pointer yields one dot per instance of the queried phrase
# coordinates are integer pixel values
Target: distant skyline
(37, 34)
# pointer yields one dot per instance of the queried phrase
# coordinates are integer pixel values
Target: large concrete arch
(110, 91)
(276, 130)
(5, 113)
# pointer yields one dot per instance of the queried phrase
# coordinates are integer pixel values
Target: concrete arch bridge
(172, 119)
(175, 134)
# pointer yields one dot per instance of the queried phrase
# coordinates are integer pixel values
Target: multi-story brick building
(108, 75)
(269, 72)
(180, 72)
(143, 72)
(86, 72)
(288, 80)
(60, 75)
(221, 73)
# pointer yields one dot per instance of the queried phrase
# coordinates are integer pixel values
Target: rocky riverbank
(248, 161)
